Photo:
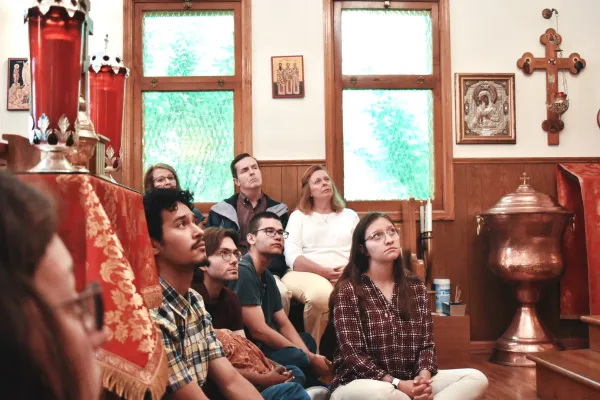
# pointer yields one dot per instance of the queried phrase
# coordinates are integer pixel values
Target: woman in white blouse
(318, 246)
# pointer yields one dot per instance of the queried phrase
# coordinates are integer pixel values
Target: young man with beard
(224, 307)
(266, 323)
(193, 351)
(236, 211)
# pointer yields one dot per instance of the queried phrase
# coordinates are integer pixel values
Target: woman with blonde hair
(318, 246)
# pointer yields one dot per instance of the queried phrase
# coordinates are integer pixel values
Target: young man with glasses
(224, 307)
(192, 349)
(236, 211)
(266, 323)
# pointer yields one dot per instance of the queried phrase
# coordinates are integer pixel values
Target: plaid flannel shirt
(188, 336)
(383, 342)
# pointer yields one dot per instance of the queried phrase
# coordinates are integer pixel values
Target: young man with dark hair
(193, 351)
(266, 323)
(226, 312)
(236, 211)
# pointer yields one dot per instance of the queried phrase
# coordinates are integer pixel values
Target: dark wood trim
(390, 82)
(527, 160)
(394, 5)
(128, 114)
(3, 148)
(240, 83)
(289, 163)
(245, 139)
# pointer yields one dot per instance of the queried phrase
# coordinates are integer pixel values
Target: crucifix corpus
(556, 101)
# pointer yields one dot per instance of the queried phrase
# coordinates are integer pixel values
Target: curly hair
(157, 200)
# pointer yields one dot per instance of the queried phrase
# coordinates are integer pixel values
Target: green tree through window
(191, 130)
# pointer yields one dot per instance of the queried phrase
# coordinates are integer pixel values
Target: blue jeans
(285, 391)
(299, 376)
(289, 356)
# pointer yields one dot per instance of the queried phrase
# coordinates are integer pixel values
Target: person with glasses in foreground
(210, 278)
(49, 332)
(318, 246)
(384, 329)
(192, 349)
(265, 321)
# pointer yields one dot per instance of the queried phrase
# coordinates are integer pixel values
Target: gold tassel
(130, 388)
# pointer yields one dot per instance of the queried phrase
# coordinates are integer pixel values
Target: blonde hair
(306, 203)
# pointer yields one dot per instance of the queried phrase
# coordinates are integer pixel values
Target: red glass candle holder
(55, 46)
(107, 78)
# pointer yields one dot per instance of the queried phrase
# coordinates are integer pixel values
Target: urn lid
(526, 200)
(105, 59)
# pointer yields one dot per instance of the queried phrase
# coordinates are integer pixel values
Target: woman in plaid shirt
(384, 327)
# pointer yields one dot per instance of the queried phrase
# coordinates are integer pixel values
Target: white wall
(486, 36)
(491, 38)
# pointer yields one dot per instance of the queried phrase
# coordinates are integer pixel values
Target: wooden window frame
(440, 82)
(240, 82)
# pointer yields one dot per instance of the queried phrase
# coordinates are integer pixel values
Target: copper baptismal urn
(525, 231)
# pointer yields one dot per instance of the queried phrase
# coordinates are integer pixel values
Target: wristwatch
(395, 383)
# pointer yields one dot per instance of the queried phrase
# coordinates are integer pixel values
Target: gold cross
(525, 178)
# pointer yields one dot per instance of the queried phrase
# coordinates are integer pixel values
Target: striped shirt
(383, 342)
(188, 336)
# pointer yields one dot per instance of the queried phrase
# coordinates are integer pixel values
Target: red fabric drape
(579, 191)
(104, 227)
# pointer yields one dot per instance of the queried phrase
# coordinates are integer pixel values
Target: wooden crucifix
(552, 64)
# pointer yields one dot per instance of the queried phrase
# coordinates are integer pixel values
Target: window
(191, 91)
(388, 129)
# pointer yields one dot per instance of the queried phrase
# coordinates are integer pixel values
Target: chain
(560, 55)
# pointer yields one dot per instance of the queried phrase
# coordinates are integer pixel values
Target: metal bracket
(353, 80)
(153, 83)
(221, 82)
(187, 4)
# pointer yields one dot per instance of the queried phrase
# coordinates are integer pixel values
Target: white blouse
(323, 238)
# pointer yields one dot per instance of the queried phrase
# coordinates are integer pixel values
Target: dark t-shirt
(226, 312)
(253, 291)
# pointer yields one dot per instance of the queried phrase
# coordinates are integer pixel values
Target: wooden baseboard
(486, 347)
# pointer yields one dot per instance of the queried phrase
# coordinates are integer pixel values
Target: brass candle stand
(426, 239)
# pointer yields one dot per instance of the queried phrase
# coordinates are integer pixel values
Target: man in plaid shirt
(192, 349)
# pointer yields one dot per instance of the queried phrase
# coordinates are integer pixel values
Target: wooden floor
(506, 383)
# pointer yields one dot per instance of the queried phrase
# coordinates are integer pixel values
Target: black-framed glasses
(379, 235)
(227, 254)
(88, 306)
(271, 232)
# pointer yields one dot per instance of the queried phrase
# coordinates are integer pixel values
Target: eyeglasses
(226, 255)
(163, 179)
(88, 306)
(378, 236)
(270, 232)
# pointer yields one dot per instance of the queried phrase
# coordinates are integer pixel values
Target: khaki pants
(286, 295)
(449, 384)
(313, 291)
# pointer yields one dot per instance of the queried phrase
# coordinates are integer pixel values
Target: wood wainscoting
(459, 253)
(281, 179)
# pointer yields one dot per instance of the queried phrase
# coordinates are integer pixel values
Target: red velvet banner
(104, 227)
(579, 191)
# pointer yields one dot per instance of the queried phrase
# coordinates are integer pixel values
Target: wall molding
(527, 160)
(289, 163)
